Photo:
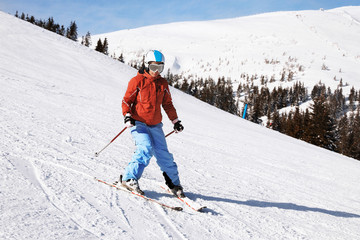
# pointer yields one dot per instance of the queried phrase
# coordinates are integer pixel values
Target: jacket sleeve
(168, 105)
(130, 96)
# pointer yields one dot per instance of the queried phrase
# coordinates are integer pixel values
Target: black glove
(178, 127)
(129, 121)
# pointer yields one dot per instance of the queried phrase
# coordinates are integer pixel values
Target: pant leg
(164, 158)
(143, 152)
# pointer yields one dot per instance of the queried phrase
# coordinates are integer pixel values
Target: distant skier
(141, 107)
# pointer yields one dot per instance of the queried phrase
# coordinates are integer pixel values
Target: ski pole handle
(97, 153)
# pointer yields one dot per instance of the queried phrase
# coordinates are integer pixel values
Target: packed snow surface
(60, 103)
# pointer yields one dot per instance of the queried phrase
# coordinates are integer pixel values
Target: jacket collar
(148, 76)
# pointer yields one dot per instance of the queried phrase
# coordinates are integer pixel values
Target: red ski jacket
(143, 99)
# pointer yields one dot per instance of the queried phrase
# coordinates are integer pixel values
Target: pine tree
(255, 112)
(306, 126)
(210, 91)
(50, 24)
(99, 46)
(220, 101)
(298, 130)
(192, 87)
(32, 20)
(354, 139)
(352, 99)
(290, 126)
(283, 122)
(87, 39)
(184, 85)
(231, 106)
(322, 126)
(62, 30)
(105, 49)
(343, 128)
(121, 59)
(268, 116)
(71, 32)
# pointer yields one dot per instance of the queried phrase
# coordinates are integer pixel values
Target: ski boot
(131, 185)
(178, 191)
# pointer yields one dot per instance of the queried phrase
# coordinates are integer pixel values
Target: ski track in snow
(172, 226)
(61, 102)
(52, 198)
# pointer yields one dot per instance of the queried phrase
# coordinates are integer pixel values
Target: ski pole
(97, 153)
(170, 133)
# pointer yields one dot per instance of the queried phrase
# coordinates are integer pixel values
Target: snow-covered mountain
(320, 45)
(60, 102)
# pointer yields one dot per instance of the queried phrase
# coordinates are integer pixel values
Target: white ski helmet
(154, 56)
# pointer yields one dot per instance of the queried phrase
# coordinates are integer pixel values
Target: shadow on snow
(286, 206)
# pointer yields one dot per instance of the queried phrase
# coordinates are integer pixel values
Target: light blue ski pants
(150, 141)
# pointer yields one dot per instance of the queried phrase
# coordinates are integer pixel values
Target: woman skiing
(141, 107)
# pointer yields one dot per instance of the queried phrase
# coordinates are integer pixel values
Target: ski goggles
(156, 67)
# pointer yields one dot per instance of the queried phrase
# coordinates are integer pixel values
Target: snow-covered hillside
(304, 42)
(60, 102)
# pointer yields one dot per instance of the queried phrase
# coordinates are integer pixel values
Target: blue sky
(101, 16)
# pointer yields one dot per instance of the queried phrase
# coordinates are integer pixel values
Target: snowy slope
(231, 47)
(61, 102)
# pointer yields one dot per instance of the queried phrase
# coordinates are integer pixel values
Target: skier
(145, 94)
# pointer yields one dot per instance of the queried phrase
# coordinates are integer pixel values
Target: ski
(188, 202)
(139, 195)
